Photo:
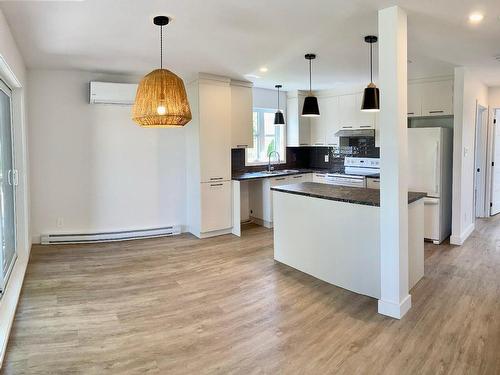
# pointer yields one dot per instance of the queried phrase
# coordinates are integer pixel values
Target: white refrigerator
(430, 163)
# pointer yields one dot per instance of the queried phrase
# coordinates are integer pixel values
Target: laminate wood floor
(180, 305)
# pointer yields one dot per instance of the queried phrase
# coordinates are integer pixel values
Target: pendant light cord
(371, 62)
(310, 76)
(278, 98)
(161, 47)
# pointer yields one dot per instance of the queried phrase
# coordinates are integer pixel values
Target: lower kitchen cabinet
(216, 206)
(261, 196)
(373, 183)
(319, 178)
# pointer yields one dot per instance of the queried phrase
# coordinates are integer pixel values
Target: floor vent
(48, 239)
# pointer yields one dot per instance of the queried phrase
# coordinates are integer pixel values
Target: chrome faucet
(269, 168)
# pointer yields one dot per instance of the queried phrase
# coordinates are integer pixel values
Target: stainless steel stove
(355, 172)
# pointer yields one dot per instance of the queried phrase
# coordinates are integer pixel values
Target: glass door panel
(8, 179)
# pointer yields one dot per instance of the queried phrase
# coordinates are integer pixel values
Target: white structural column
(395, 300)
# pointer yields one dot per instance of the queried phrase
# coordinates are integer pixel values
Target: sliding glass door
(8, 181)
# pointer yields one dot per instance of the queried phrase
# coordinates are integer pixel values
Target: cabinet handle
(436, 111)
(411, 113)
(241, 146)
(346, 127)
(319, 144)
(303, 144)
(297, 176)
(216, 178)
(279, 179)
(216, 184)
(365, 126)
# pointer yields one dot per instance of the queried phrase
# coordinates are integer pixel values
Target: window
(266, 137)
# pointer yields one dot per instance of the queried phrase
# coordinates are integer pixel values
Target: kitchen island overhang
(333, 234)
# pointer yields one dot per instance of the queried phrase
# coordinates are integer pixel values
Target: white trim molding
(459, 240)
(394, 310)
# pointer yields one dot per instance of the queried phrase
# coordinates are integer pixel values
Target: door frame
(481, 208)
(494, 116)
(4, 279)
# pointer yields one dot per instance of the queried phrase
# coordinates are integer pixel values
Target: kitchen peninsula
(333, 233)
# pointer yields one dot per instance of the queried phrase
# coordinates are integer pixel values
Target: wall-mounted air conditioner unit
(112, 93)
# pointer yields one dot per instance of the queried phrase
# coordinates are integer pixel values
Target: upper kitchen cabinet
(365, 120)
(430, 98)
(241, 114)
(414, 99)
(437, 98)
(298, 127)
(350, 114)
(323, 128)
(215, 131)
(348, 117)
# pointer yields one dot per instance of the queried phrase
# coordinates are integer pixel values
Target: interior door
(495, 171)
(424, 164)
(8, 178)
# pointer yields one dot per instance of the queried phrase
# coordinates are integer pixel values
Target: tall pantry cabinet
(208, 145)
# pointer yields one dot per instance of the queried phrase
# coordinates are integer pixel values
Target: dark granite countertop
(263, 174)
(244, 176)
(367, 197)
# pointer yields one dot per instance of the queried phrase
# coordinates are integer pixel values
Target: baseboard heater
(127, 235)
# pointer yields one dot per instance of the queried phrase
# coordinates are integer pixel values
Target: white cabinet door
(364, 120)
(215, 133)
(216, 206)
(304, 125)
(373, 183)
(318, 129)
(319, 178)
(297, 127)
(295, 179)
(241, 117)
(414, 99)
(437, 98)
(431, 219)
(331, 118)
(320, 126)
(347, 111)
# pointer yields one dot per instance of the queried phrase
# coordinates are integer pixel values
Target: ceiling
(236, 38)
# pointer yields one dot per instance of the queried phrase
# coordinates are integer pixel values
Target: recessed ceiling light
(263, 69)
(475, 17)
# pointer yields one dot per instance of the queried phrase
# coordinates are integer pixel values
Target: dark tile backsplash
(314, 157)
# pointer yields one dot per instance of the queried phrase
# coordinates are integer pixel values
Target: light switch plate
(327, 158)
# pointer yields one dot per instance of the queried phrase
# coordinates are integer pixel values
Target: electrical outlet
(327, 158)
(60, 222)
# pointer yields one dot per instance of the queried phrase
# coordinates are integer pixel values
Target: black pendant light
(278, 116)
(371, 96)
(311, 107)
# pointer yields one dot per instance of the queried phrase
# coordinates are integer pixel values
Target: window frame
(261, 111)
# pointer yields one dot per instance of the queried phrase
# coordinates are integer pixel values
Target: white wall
(469, 91)
(494, 97)
(92, 168)
(265, 98)
(13, 72)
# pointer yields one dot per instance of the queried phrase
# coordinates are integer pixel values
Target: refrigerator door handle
(436, 169)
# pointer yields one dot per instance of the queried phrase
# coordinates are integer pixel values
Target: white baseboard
(460, 239)
(8, 303)
(394, 310)
(213, 233)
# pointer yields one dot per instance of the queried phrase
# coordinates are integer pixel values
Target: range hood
(359, 133)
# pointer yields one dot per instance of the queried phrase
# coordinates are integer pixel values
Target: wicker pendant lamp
(161, 99)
